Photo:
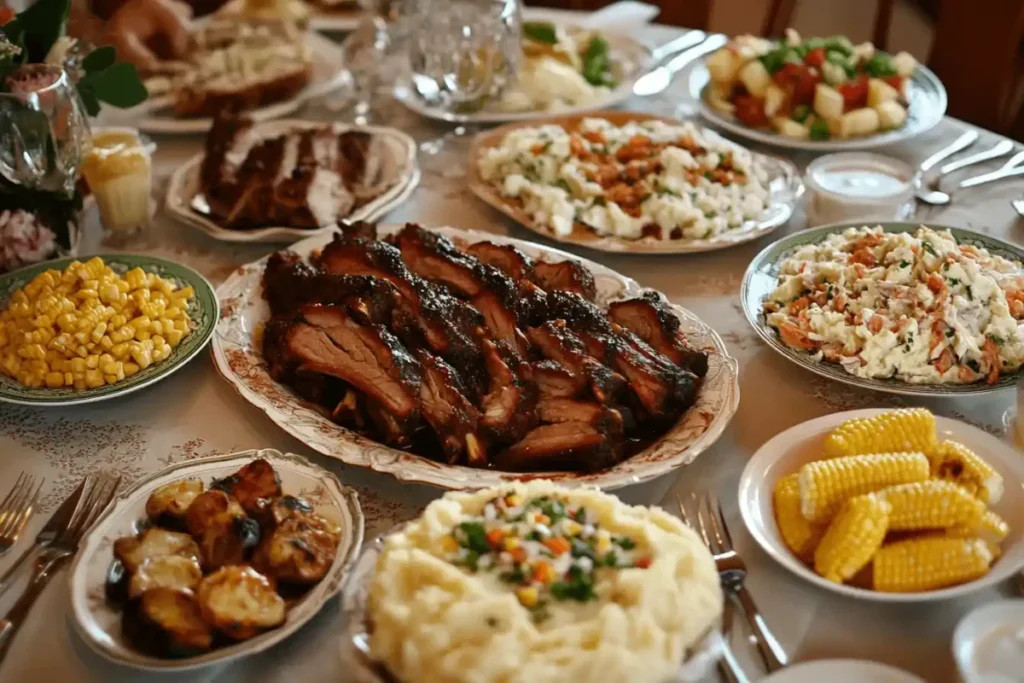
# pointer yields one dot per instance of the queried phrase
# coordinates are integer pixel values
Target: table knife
(60, 520)
(657, 80)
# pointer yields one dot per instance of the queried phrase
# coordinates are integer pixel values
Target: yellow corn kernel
(69, 379)
(571, 527)
(174, 337)
(991, 528)
(92, 361)
(528, 596)
(105, 343)
(94, 379)
(54, 379)
(910, 430)
(929, 563)
(130, 368)
(184, 293)
(142, 334)
(957, 463)
(510, 543)
(143, 357)
(826, 484)
(112, 367)
(117, 321)
(852, 538)
(78, 365)
(931, 505)
(449, 544)
(800, 536)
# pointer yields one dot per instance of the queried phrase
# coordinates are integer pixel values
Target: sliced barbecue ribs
(477, 356)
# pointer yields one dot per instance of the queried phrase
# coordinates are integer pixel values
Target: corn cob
(853, 537)
(932, 504)
(957, 463)
(826, 484)
(991, 528)
(897, 431)
(799, 535)
(928, 563)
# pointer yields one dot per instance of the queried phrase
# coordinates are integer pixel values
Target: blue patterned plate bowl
(202, 309)
(763, 273)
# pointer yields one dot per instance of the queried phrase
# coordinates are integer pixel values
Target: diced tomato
(6, 14)
(855, 93)
(896, 82)
(643, 563)
(495, 537)
(815, 57)
(518, 555)
(750, 110)
(799, 81)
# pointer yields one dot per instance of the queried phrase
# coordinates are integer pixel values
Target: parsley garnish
(904, 264)
(950, 332)
(473, 537)
(996, 338)
(970, 294)
(564, 184)
(578, 586)
(515, 575)
(600, 201)
(582, 549)
(624, 542)
(611, 559)
(973, 365)
(927, 246)
(954, 281)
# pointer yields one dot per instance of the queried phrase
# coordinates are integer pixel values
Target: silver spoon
(937, 197)
(654, 82)
(958, 145)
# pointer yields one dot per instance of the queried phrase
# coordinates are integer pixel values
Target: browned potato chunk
(169, 571)
(300, 550)
(167, 504)
(222, 529)
(171, 623)
(281, 509)
(240, 602)
(153, 542)
(255, 486)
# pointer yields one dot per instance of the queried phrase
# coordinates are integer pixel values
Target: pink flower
(23, 240)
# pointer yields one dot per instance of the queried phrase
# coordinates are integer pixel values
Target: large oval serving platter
(156, 115)
(236, 353)
(928, 101)
(761, 279)
(100, 625)
(786, 189)
(202, 309)
(185, 199)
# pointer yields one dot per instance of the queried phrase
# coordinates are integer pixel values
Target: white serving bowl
(975, 628)
(791, 449)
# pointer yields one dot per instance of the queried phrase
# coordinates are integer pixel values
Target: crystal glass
(45, 129)
(364, 53)
(462, 52)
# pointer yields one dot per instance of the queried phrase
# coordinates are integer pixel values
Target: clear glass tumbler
(462, 53)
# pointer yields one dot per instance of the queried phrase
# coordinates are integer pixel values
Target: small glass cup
(119, 172)
(462, 53)
(45, 129)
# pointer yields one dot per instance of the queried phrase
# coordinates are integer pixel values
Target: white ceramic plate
(625, 49)
(238, 357)
(155, 115)
(788, 451)
(184, 189)
(928, 103)
(841, 671)
(100, 625)
(980, 625)
(785, 183)
(761, 279)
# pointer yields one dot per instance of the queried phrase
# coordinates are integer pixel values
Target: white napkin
(624, 16)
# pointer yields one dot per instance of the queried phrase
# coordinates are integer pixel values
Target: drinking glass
(45, 128)
(462, 53)
(364, 53)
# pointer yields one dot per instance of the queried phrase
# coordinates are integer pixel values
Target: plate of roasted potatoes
(214, 559)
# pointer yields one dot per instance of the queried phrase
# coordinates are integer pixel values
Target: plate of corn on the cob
(888, 505)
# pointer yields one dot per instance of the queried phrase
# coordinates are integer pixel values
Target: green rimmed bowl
(202, 309)
(762, 276)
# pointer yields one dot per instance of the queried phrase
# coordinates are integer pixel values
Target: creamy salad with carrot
(915, 306)
(533, 583)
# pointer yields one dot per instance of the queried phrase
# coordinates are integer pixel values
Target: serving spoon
(960, 144)
(937, 197)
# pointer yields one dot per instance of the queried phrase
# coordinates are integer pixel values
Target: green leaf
(100, 59)
(92, 105)
(540, 32)
(118, 85)
(38, 28)
(819, 130)
(880, 66)
(595, 62)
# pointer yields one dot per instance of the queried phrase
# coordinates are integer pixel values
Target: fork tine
(708, 512)
(26, 511)
(701, 524)
(711, 505)
(99, 504)
(11, 512)
(10, 494)
(88, 498)
(721, 518)
(682, 512)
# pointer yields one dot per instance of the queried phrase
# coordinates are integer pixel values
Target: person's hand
(146, 31)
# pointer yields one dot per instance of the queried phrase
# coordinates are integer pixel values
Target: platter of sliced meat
(282, 180)
(464, 359)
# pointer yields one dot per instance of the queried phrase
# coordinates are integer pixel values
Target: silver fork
(16, 509)
(732, 571)
(56, 555)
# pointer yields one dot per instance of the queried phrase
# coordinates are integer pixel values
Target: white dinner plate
(841, 671)
(788, 451)
(238, 355)
(156, 116)
(99, 623)
(784, 181)
(928, 101)
(624, 49)
(184, 194)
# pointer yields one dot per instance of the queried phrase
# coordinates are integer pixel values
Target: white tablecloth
(194, 414)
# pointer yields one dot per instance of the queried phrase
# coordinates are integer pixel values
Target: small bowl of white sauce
(858, 186)
(988, 644)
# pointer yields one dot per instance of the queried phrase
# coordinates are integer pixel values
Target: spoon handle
(958, 145)
(1003, 148)
(688, 39)
(994, 175)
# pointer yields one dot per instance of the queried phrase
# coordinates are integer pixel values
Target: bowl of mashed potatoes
(533, 582)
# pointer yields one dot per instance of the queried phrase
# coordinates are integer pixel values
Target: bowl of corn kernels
(76, 331)
(893, 506)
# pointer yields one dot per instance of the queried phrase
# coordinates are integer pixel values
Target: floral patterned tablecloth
(195, 414)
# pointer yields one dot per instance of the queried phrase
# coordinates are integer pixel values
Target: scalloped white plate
(184, 190)
(100, 625)
(236, 353)
(788, 451)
